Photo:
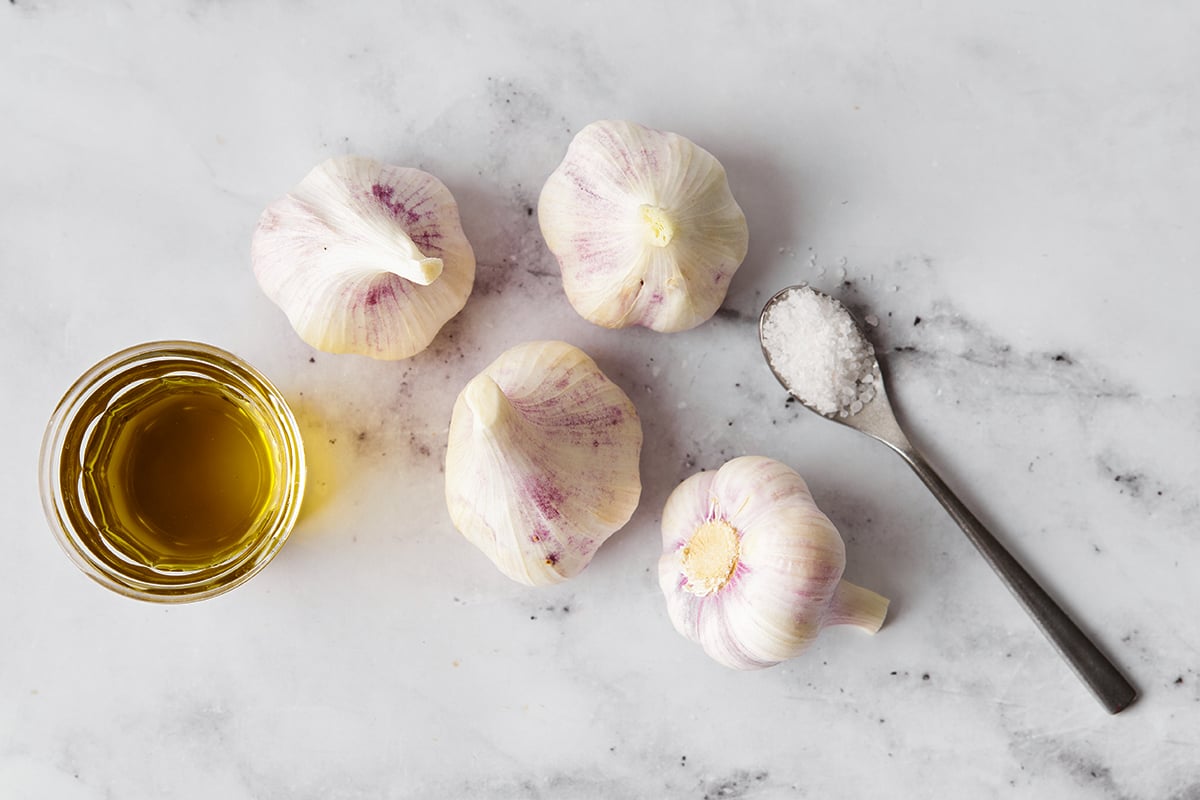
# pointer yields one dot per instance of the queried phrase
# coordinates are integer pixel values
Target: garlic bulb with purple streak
(365, 258)
(751, 568)
(542, 461)
(644, 227)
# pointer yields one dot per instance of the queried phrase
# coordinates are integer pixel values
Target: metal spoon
(877, 420)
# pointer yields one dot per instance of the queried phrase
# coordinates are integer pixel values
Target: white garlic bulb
(644, 227)
(542, 461)
(365, 258)
(752, 569)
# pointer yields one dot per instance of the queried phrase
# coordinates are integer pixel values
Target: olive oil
(172, 471)
(177, 474)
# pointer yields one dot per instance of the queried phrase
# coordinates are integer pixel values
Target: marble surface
(1010, 188)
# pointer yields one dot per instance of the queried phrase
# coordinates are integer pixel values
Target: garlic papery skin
(542, 461)
(644, 227)
(752, 569)
(365, 258)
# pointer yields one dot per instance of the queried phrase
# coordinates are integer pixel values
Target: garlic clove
(752, 569)
(542, 461)
(365, 258)
(644, 227)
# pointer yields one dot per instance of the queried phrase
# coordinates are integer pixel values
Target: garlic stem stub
(365, 258)
(644, 227)
(752, 570)
(542, 461)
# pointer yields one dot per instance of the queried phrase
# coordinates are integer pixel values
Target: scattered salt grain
(816, 347)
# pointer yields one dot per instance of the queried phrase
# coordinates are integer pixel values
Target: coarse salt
(816, 347)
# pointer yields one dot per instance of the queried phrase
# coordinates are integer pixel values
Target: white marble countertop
(1012, 189)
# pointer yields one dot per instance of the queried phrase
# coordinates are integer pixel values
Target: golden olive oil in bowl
(172, 471)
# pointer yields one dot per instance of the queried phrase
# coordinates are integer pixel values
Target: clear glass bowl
(86, 531)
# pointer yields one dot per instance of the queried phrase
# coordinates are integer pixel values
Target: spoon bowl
(875, 418)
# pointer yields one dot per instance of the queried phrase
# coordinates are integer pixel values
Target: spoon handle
(1093, 668)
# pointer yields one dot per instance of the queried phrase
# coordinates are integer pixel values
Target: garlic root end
(710, 557)
(659, 225)
(854, 605)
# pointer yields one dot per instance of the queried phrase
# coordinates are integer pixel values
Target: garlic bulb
(644, 227)
(365, 258)
(542, 461)
(752, 569)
